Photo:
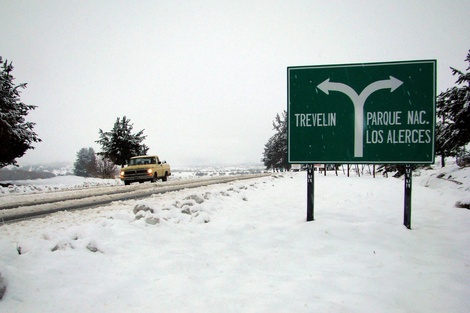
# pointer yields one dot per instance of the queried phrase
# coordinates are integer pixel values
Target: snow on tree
(105, 168)
(16, 135)
(86, 163)
(119, 145)
(453, 110)
(275, 150)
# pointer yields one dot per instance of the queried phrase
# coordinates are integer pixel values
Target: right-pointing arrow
(392, 83)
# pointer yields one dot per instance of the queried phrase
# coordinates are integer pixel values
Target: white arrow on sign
(358, 101)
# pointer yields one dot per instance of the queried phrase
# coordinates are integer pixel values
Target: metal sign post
(407, 214)
(310, 192)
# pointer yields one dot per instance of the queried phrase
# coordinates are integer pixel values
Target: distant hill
(19, 174)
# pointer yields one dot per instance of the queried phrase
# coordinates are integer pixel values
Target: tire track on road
(20, 211)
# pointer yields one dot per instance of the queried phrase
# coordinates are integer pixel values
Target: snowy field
(245, 247)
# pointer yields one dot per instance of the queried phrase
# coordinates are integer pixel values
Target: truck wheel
(154, 178)
(165, 178)
(127, 183)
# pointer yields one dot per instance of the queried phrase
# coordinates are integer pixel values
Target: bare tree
(105, 168)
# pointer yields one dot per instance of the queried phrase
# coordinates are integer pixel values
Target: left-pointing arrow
(328, 86)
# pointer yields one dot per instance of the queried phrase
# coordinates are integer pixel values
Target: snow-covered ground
(245, 247)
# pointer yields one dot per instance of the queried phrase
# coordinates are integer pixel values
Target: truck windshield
(142, 161)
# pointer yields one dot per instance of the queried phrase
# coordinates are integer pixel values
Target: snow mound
(448, 180)
(3, 286)
(193, 208)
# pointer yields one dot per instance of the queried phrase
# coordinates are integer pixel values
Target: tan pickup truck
(145, 168)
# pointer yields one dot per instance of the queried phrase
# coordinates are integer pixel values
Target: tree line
(120, 143)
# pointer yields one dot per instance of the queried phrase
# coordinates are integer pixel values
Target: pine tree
(16, 135)
(119, 145)
(453, 110)
(269, 155)
(85, 165)
(275, 150)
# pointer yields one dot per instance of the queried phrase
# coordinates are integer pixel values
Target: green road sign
(362, 113)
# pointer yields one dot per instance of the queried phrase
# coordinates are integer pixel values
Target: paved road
(33, 205)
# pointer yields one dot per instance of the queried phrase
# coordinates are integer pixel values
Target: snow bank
(56, 183)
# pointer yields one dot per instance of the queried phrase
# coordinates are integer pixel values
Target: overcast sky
(204, 79)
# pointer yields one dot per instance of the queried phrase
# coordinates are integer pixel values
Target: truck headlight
(122, 173)
(149, 171)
